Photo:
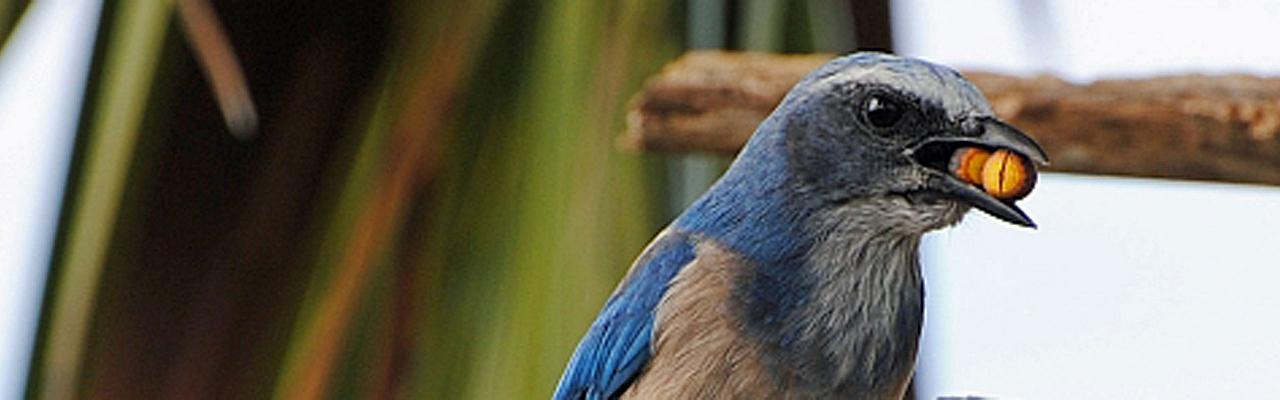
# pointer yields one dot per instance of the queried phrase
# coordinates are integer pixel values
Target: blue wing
(616, 348)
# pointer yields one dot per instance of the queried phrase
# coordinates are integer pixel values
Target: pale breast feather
(699, 351)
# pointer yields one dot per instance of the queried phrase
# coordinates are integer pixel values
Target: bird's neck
(843, 319)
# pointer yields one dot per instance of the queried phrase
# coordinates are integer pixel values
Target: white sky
(42, 73)
(1131, 288)
(1089, 39)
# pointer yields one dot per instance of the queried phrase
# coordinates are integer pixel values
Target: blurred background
(424, 199)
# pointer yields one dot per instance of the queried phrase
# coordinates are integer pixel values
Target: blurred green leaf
(452, 239)
(133, 43)
(406, 122)
(566, 230)
(11, 12)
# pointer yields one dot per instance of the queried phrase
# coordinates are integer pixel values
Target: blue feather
(617, 347)
(756, 209)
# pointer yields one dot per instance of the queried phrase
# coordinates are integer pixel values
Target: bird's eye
(881, 111)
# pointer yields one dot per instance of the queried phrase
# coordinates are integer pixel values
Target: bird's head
(876, 126)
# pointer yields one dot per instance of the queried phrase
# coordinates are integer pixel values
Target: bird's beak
(935, 153)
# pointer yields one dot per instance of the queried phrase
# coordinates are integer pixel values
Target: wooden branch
(1221, 128)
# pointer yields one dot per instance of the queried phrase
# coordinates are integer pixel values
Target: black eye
(881, 111)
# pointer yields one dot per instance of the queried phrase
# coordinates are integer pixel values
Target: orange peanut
(1003, 174)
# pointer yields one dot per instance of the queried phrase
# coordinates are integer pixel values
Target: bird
(797, 274)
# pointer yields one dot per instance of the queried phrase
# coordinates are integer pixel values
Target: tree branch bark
(1219, 128)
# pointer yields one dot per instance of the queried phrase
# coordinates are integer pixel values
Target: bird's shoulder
(617, 346)
(699, 347)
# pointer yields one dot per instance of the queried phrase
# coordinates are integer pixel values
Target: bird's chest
(846, 321)
(727, 330)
